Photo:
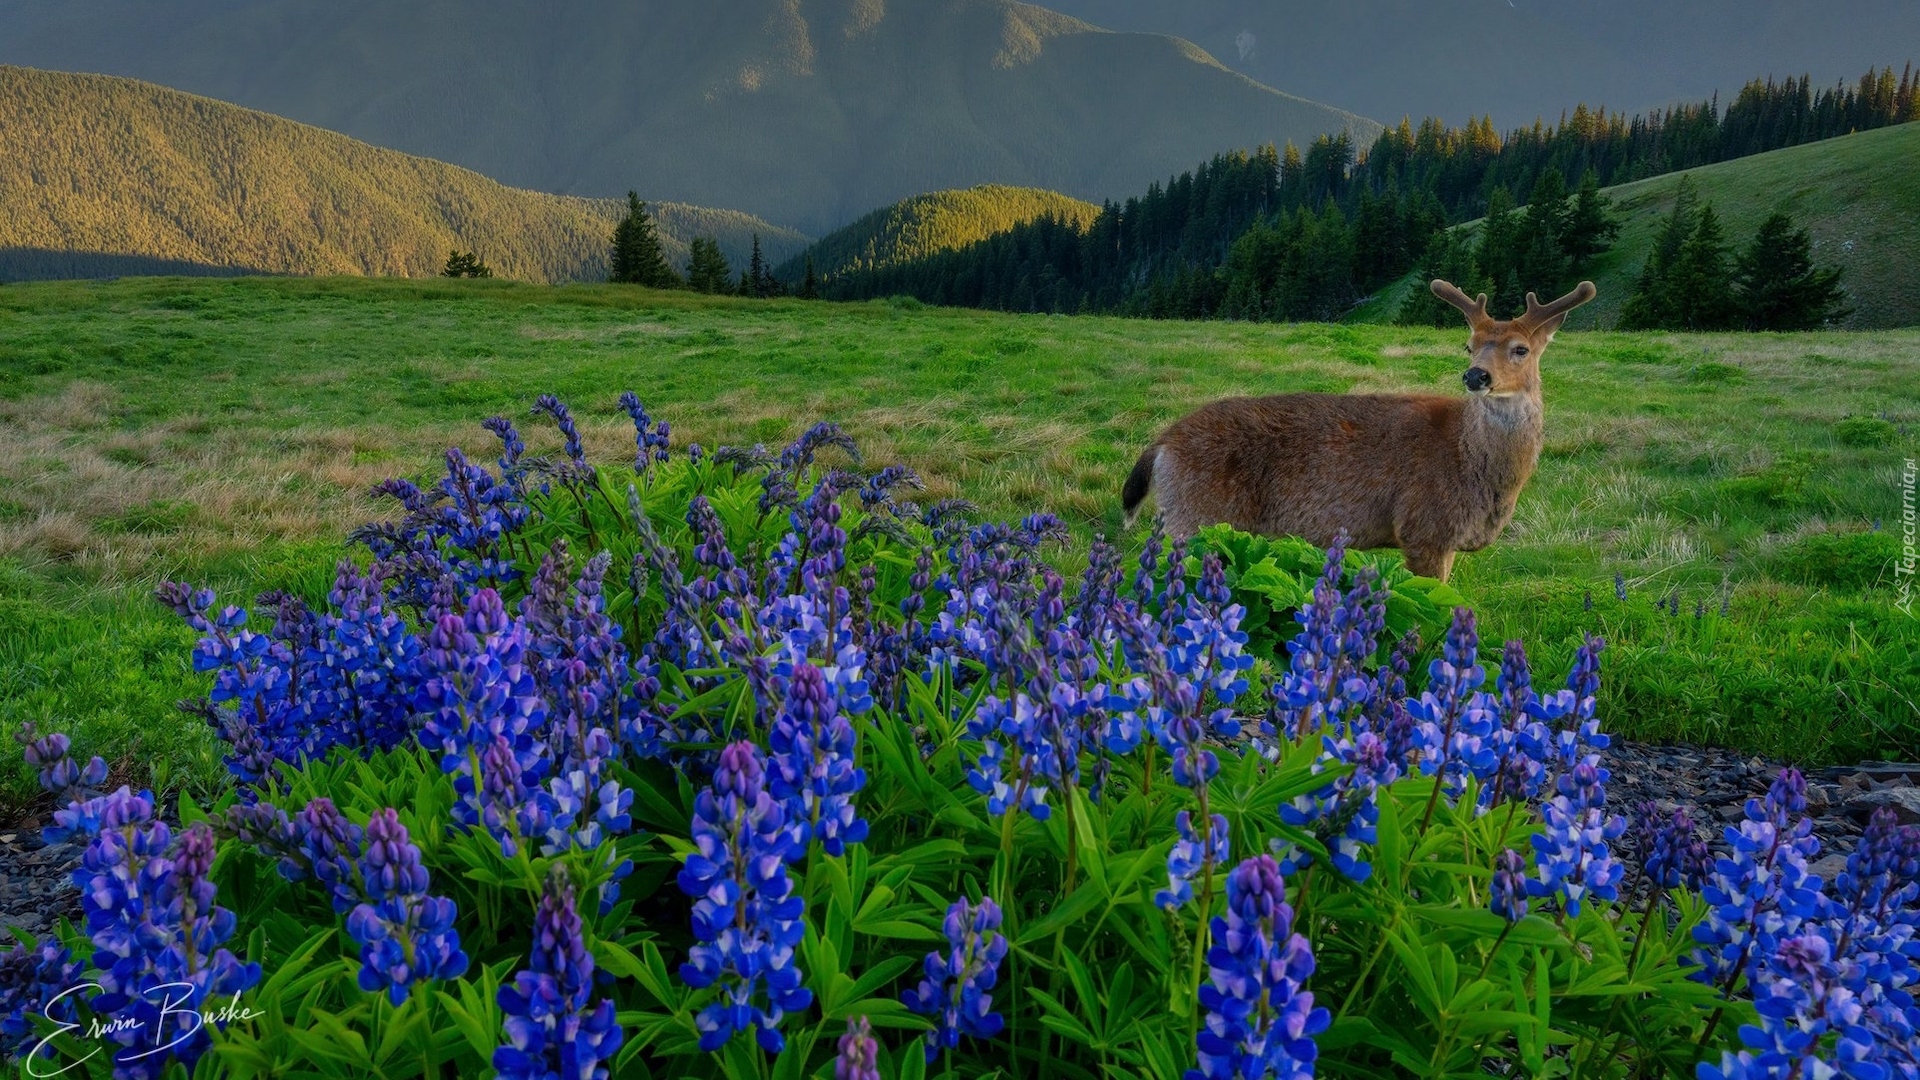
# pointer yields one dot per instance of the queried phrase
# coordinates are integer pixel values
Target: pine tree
(1702, 281)
(465, 264)
(1651, 307)
(1590, 226)
(809, 285)
(1777, 287)
(1541, 265)
(707, 269)
(1450, 258)
(757, 280)
(637, 255)
(1498, 254)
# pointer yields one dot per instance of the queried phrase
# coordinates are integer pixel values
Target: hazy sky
(1524, 58)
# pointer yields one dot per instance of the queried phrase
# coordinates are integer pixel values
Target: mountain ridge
(808, 113)
(101, 171)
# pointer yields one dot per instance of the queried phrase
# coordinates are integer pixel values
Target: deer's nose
(1477, 379)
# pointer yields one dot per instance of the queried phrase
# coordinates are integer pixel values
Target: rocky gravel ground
(36, 887)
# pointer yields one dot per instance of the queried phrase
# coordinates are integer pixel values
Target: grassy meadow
(226, 432)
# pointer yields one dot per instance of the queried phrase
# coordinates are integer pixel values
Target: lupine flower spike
(954, 991)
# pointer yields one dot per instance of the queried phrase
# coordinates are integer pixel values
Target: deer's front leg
(1430, 562)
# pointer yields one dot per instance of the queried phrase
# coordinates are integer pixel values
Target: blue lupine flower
(1509, 900)
(35, 978)
(1802, 996)
(552, 1030)
(1192, 856)
(1457, 721)
(406, 937)
(150, 913)
(1259, 1021)
(746, 916)
(859, 1057)
(812, 765)
(954, 991)
(1761, 892)
(1571, 856)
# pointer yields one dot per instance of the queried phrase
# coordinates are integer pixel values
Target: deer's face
(1504, 355)
(1504, 359)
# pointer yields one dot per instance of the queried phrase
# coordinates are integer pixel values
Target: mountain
(1521, 59)
(103, 176)
(928, 224)
(1858, 195)
(805, 112)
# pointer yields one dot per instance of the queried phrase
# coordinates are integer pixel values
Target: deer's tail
(1138, 481)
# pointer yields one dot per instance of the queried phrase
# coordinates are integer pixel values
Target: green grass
(226, 431)
(1858, 195)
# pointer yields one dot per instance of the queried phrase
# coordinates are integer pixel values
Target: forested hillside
(809, 115)
(929, 224)
(1286, 235)
(102, 176)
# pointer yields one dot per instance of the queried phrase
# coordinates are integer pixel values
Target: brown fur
(1428, 474)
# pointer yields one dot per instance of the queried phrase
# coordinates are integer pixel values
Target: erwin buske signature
(173, 1014)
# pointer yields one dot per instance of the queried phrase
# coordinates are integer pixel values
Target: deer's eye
(1519, 352)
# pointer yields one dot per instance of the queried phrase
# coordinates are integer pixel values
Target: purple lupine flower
(747, 918)
(1674, 854)
(552, 1029)
(955, 989)
(1571, 856)
(1517, 774)
(563, 419)
(150, 913)
(328, 847)
(1259, 1022)
(511, 445)
(812, 767)
(859, 1057)
(877, 490)
(1192, 856)
(35, 980)
(406, 937)
(1761, 892)
(60, 776)
(1510, 886)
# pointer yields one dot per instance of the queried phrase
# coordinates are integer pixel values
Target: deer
(1429, 474)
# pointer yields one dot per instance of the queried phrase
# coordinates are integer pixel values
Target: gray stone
(1903, 801)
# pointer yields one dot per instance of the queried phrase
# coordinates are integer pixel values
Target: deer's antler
(1538, 313)
(1474, 310)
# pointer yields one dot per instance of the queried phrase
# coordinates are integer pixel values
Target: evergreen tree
(637, 255)
(1541, 265)
(1450, 258)
(1651, 307)
(465, 264)
(1499, 253)
(1777, 287)
(757, 279)
(1702, 282)
(707, 269)
(809, 284)
(1590, 226)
